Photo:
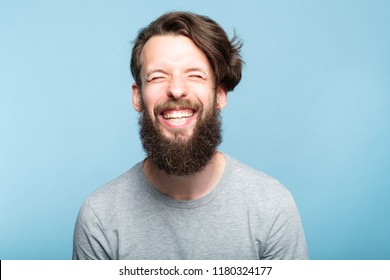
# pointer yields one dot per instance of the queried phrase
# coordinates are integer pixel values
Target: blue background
(312, 110)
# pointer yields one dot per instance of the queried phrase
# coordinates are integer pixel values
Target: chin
(180, 134)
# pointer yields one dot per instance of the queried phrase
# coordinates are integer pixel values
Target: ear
(221, 97)
(136, 98)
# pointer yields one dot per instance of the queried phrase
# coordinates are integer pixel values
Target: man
(186, 200)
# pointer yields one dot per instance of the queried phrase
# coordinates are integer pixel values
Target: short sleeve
(286, 239)
(90, 241)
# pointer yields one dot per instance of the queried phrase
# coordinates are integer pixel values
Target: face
(180, 126)
(178, 85)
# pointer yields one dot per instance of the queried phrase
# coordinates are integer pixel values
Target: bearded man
(187, 200)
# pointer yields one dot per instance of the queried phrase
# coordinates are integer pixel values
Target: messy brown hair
(222, 53)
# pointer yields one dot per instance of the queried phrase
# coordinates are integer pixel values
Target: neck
(189, 187)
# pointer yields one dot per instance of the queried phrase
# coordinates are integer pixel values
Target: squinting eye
(155, 79)
(196, 76)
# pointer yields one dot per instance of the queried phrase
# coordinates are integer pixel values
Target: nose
(177, 87)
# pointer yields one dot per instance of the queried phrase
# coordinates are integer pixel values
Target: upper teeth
(178, 114)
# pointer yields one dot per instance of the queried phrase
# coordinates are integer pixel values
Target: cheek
(202, 91)
(148, 98)
(152, 94)
(209, 100)
(147, 106)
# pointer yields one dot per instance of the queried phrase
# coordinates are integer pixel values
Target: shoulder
(118, 191)
(254, 184)
(251, 176)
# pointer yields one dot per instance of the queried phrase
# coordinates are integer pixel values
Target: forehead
(171, 52)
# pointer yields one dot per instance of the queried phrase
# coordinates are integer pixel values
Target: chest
(210, 233)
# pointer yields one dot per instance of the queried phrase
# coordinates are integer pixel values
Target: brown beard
(178, 156)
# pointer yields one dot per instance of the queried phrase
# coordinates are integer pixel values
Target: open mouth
(178, 116)
(178, 113)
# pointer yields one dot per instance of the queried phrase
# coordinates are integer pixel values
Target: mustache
(177, 104)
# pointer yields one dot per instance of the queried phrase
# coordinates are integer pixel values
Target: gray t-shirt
(248, 215)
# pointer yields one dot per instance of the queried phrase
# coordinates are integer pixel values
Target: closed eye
(155, 78)
(197, 76)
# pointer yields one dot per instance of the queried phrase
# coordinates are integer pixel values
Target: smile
(177, 118)
(177, 114)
